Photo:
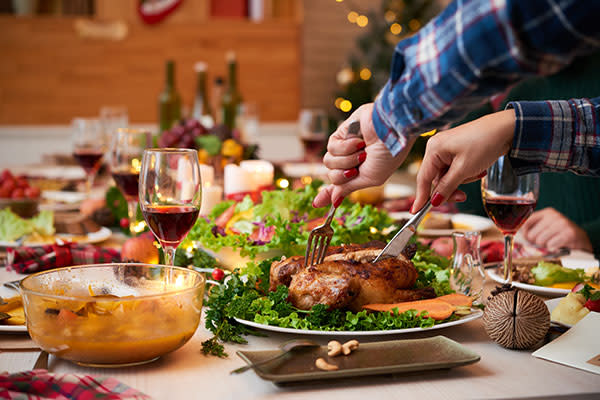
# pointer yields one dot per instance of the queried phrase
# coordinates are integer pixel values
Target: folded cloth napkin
(34, 259)
(40, 384)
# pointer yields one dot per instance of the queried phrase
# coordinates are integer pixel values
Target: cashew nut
(334, 348)
(324, 365)
(349, 346)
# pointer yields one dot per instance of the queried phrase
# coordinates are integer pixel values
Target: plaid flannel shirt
(557, 135)
(475, 49)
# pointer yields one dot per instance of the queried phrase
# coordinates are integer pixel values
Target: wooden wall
(48, 74)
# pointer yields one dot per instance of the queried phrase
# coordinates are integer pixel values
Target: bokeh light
(396, 28)
(365, 74)
(346, 105)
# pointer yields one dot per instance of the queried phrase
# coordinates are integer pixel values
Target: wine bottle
(231, 98)
(217, 98)
(169, 101)
(201, 111)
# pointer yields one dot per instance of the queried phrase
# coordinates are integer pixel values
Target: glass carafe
(467, 275)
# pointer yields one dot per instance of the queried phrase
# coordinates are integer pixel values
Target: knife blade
(400, 240)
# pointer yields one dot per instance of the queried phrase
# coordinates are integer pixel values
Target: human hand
(354, 162)
(550, 229)
(462, 155)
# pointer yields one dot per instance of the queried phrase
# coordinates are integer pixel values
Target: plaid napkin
(40, 384)
(33, 259)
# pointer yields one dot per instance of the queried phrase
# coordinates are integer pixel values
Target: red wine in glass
(509, 213)
(128, 182)
(89, 159)
(170, 224)
(313, 147)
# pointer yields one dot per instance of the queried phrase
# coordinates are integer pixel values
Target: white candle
(207, 174)
(211, 196)
(184, 179)
(237, 180)
(261, 171)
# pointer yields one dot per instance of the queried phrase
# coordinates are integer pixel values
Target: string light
(339, 1)
(365, 74)
(352, 16)
(390, 16)
(396, 28)
(414, 25)
(338, 102)
(428, 133)
(306, 180)
(282, 183)
(362, 21)
(346, 105)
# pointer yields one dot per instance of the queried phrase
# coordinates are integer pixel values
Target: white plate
(474, 222)
(541, 290)
(476, 313)
(94, 237)
(13, 329)
(397, 191)
(298, 170)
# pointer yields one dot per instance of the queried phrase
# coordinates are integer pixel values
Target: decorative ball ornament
(516, 320)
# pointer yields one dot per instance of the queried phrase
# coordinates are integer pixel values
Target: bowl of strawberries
(18, 194)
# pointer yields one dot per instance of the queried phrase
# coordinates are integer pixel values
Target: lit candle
(211, 196)
(207, 173)
(261, 171)
(237, 180)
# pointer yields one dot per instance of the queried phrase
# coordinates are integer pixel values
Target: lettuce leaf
(13, 227)
(547, 274)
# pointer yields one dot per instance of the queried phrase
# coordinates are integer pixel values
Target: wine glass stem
(169, 255)
(89, 182)
(508, 250)
(132, 214)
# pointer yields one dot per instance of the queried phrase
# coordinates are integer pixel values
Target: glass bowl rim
(169, 150)
(201, 281)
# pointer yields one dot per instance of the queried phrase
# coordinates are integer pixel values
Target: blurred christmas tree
(368, 68)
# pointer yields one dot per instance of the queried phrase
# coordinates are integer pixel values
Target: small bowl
(24, 208)
(112, 315)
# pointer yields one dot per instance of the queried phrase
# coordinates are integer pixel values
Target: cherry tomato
(218, 274)
(32, 192)
(18, 193)
(593, 305)
(6, 175)
(9, 185)
(124, 222)
(22, 182)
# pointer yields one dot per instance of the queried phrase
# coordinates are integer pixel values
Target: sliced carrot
(457, 299)
(436, 309)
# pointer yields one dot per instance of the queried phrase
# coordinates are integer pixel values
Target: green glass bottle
(232, 97)
(169, 101)
(201, 111)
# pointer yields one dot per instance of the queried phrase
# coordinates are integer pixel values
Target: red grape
(32, 192)
(6, 175)
(9, 185)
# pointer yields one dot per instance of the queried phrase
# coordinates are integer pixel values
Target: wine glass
(89, 145)
(509, 200)
(127, 148)
(170, 195)
(113, 118)
(313, 133)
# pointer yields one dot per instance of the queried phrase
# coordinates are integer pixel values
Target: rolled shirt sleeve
(472, 50)
(559, 135)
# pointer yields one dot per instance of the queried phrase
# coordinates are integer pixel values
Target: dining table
(189, 374)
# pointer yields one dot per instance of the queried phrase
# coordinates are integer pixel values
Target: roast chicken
(348, 278)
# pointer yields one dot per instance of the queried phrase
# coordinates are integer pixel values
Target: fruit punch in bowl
(112, 315)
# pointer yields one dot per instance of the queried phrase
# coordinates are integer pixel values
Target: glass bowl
(111, 315)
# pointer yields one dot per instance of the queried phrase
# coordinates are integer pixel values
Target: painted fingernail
(437, 199)
(362, 157)
(351, 173)
(361, 146)
(411, 210)
(481, 175)
(338, 201)
(313, 204)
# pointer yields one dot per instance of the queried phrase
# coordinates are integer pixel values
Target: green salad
(283, 220)
(13, 227)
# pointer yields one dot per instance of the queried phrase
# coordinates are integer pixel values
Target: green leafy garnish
(211, 143)
(246, 296)
(547, 274)
(13, 227)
